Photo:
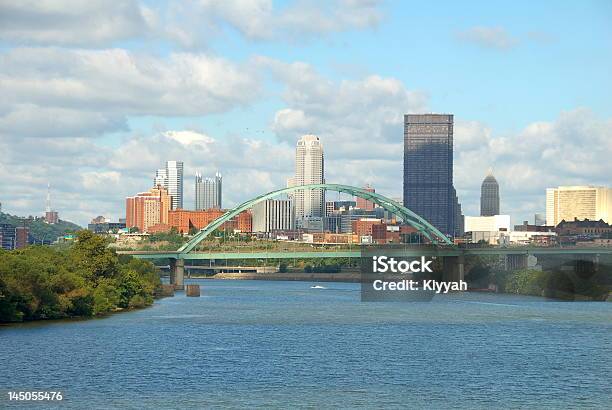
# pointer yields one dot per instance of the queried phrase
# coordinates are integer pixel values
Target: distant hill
(40, 230)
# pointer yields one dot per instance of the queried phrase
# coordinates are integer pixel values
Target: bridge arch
(407, 216)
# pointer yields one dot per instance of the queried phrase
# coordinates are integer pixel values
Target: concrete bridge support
(177, 273)
(454, 268)
(514, 262)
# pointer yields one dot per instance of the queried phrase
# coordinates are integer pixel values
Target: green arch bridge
(441, 245)
(407, 216)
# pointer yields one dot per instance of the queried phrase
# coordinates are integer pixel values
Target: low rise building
(585, 227)
(372, 227)
(493, 223)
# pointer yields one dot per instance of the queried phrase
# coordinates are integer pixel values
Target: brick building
(147, 209)
(375, 228)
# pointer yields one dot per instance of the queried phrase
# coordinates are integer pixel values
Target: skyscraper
(171, 178)
(208, 192)
(309, 169)
(489, 196)
(428, 171)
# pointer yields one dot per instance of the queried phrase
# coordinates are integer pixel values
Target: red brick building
(21, 237)
(364, 203)
(147, 209)
(184, 220)
(375, 228)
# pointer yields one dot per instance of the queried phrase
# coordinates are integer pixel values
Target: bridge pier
(514, 262)
(177, 273)
(453, 268)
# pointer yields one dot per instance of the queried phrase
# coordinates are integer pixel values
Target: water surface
(282, 344)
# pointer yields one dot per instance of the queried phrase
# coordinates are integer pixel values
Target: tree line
(83, 280)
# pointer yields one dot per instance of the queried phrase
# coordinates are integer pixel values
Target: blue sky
(99, 94)
(557, 60)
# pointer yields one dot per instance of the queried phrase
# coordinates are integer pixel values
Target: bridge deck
(357, 253)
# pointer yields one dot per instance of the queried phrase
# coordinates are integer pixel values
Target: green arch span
(409, 217)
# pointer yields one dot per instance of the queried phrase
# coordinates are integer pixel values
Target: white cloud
(574, 149)
(187, 137)
(73, 22)
(262, 20)
(87, 92)
(496, 38)
(190, 23)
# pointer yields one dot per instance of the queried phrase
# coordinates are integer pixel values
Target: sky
(96, 95)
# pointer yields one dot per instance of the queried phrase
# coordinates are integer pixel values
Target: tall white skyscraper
(171, 178)
(309, 169)
(208, 192)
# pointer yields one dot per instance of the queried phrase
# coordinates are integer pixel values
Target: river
(282, 344)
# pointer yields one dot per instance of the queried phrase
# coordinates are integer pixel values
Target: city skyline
(93, 114)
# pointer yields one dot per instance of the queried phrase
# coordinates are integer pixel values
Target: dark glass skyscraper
(428, 171)
(489, 196)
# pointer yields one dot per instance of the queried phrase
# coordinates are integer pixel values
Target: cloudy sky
(96, 95)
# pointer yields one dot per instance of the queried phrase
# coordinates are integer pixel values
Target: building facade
(273, 215)
(171, 178)
(161, 178)
(364, 203)
(375, 228)
(7, 236)
(578, 202)
(22, 237)
(428, 171)
(208, 192)
(489, 196)
(147, 209)
(309, 169)
(492, 223)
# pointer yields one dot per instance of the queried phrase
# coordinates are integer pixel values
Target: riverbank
(85, 279)
(289, 276)
(355, 277)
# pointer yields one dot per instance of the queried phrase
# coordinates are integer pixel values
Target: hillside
(39, 229)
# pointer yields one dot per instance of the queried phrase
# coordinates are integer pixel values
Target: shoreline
(287, 276)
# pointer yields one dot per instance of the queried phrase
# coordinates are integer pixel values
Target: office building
(487, 223)
(364, 203)
(489, 196)
(101, 225)
(147, 209)
(7, 236)
(22, 237)
(273, 215)
(161, 178)
(428, 171)
(525, 227)
(372, 227)
(539, 220)
(567, 203)
(329, 208)
(309, 169)
(171, 178)
(344, 205)
(208, 192)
